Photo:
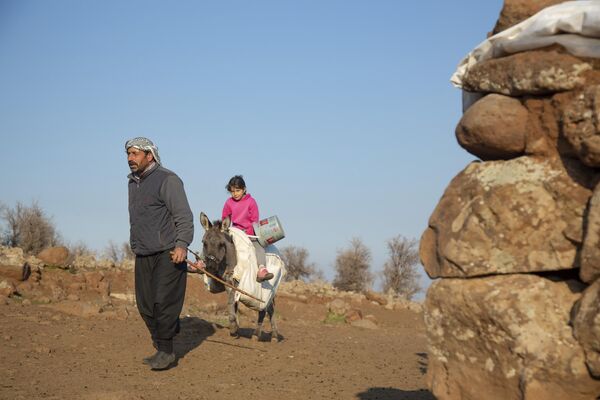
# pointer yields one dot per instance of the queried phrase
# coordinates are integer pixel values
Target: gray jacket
(159, 213)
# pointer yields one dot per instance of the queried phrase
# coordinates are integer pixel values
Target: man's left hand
(178, 255)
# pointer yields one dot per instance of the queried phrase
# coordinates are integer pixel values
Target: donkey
(220, 259)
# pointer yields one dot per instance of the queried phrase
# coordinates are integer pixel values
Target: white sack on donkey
(247, 268)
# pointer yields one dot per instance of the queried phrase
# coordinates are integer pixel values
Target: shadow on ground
(193, 332)
(265, 336)
(379, 393)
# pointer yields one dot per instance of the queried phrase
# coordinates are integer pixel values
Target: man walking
(161, 229)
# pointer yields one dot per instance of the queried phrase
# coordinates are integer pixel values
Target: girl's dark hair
(236, 182)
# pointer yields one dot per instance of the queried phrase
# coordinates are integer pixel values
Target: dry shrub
(28, 227)
(127, 253)
(352, 268)
(118, 252)
(297, 265)
(400, 274)
(80, 249)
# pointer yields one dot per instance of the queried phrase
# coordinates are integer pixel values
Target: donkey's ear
(225, 224)
(205, 222)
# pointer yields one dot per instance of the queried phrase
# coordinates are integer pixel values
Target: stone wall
(515, 238)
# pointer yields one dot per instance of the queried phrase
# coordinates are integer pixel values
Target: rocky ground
(77, 335)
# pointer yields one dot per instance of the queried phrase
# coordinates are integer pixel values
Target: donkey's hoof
(234, 331)
(276, 338)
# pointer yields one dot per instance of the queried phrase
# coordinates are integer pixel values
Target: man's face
(138, 160)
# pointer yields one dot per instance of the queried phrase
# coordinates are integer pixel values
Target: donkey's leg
(274, 331)
(232, 308)
(258, 331)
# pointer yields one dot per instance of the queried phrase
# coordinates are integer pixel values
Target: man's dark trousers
(159, 293)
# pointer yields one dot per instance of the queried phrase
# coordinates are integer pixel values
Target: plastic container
(268, 231)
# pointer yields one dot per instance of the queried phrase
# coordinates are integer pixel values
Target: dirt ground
(48, 352)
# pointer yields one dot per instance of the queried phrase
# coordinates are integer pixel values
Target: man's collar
(145, 173)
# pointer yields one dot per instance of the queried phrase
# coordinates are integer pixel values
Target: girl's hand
(197, 266)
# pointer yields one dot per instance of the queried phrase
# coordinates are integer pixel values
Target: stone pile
(79, 285)
(320, 290)
(515, 238)
(60, 257)
(339, 310)
(85, 286)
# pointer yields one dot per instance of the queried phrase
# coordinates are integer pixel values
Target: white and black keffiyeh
(143, 144)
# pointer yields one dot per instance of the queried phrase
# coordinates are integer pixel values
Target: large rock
(376, 297)
(544, 128)
(55, 256)
(515, 11)
(502, 217)
(11, 256)
(581, 125)
(536, 72)
(505, 338)
(494, 128)
(586, 326)
(590, 250)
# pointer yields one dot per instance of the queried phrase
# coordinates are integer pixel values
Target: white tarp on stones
(574, 25)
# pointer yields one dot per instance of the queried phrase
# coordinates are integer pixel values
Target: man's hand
(178, 255)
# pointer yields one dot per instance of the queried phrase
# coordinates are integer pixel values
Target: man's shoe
(148, 360)
(162, 361)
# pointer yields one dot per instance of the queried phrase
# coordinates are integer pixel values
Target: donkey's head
(217, 245)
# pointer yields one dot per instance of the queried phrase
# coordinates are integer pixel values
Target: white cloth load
(246, 269)
(575, 25)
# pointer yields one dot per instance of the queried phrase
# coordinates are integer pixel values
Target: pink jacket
(243, 213)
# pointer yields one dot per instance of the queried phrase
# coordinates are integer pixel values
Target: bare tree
(127, 253)
(118, 252)
(297, 265)
(318, 275)
(400, 271)
(9, 235)
(28, 227)
(352, 267)
(112, 252)
(80, 249)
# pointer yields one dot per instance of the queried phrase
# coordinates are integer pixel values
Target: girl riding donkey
(242, 209)
(222, 260)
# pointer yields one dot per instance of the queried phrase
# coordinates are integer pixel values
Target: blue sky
(339, 114)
